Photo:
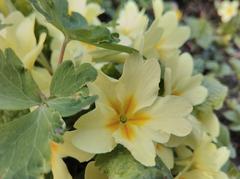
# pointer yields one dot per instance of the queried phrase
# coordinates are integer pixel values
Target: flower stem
(44, 62)
(64, 45)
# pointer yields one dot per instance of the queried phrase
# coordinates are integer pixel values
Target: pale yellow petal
(152, 37)
(43, 79)
(59, 169)
(221, 175)
(30, 58)
(140, 146)
(177, 38)
(68, 149)
(168, 22)
(169, 115)
(157, 8)
(166, 155)
(196, 95)
(185, 66)
(223, 155)
(196, 174)
(210, 122)
(157, 136)
(92, 134)
(92, 11)
(25, 34)
(141, 80)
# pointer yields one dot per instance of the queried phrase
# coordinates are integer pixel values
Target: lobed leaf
(18, 90)
(120, 164)
(75, 27)
(69, 79)
(25, 144)
(68, 106)
(68, 91)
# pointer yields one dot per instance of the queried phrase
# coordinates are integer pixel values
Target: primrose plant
(121, 98)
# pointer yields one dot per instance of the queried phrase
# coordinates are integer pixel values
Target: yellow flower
(178, 79)
(193, 139)
(131, 21)
(129, 112)
(90, 11)
(21, 38)
(207, 161)
(227, 10)
(59, 151)
(210, 123)
(164, 37)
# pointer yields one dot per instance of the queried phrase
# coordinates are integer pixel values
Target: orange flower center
(126, 117)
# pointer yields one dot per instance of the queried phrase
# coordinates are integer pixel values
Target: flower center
(123, 118)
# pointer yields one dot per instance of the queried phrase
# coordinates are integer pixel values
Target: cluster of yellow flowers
(227, 10)
(129, 111)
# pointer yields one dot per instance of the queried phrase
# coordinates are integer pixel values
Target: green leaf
(75, 27)
(202, 31)
(23, 5)
(231, 170)
(7, 116)
(120, 164)
(18, 90)
(217, 93)
(68, 106)
(69, 79)
(68, 91)
(25, 144)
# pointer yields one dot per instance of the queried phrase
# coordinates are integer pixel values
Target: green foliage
(233, 115)
(235, 63)
(17, 88)
(75, 27)
(68, 91)
(25, 141)
(23, 5)
(201, 31)
(120, 164)
(217, 93)
(68, 106)
(232, 171)
(7, 116)
(69, 79)
(25, 151)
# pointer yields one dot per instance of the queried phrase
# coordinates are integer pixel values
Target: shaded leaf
(18, 90)
(69, 79)
(201, 31)
(120, 164)
(68, 106)
(25, 144)
(75, 27)
(7, 116)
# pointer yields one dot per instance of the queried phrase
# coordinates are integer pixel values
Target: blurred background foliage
(215, 46)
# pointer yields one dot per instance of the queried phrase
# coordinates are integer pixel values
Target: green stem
(44, 62)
